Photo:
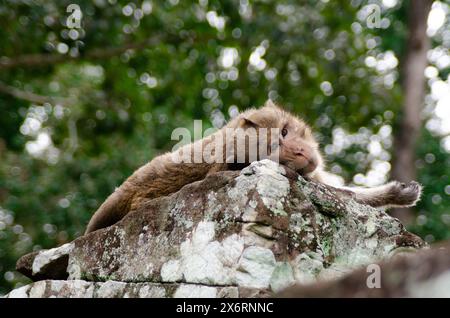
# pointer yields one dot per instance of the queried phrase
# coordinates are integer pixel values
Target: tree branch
(32, 97)
(34, 60)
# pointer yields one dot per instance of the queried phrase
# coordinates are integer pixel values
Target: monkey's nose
(299, 152)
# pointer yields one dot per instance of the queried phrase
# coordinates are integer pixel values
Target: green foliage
(138, 69)
(433, 220)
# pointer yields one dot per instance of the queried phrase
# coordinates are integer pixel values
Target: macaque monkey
(289, 140)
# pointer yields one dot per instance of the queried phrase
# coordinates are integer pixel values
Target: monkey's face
(297, 148)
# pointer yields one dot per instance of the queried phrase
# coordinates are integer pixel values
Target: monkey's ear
(270, 103)
(254, 120)
(246, 122)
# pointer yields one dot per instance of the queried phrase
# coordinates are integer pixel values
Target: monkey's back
(160, 177)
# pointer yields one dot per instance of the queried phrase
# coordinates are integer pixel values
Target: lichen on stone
(45, 257)
(235, 233)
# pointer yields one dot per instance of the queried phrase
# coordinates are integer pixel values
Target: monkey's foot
(405, 195)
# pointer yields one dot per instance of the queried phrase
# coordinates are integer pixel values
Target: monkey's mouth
(301, 171)
(310, 166)
(306, 169)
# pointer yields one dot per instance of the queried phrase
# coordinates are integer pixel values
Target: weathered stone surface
(114, 289)
(263, 228)
(422, 274)
(46, 264)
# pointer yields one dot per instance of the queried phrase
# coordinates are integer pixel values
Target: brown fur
(298, 150)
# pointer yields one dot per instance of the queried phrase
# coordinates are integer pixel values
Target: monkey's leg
(392, 194)
(110, 212)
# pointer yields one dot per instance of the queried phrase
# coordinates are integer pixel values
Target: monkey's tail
(110, 212)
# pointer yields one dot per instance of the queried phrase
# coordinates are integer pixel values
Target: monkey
(289, 140)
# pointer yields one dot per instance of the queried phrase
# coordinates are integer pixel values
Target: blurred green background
(82, 107)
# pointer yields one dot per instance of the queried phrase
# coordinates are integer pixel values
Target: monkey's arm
(392, 194)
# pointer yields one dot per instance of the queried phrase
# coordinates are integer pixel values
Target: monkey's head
(297, 147)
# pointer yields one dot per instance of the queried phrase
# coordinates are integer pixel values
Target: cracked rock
(233, 234)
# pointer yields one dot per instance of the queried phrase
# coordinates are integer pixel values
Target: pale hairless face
(298, 149)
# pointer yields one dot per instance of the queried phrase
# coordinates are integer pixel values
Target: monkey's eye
(284, 132)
